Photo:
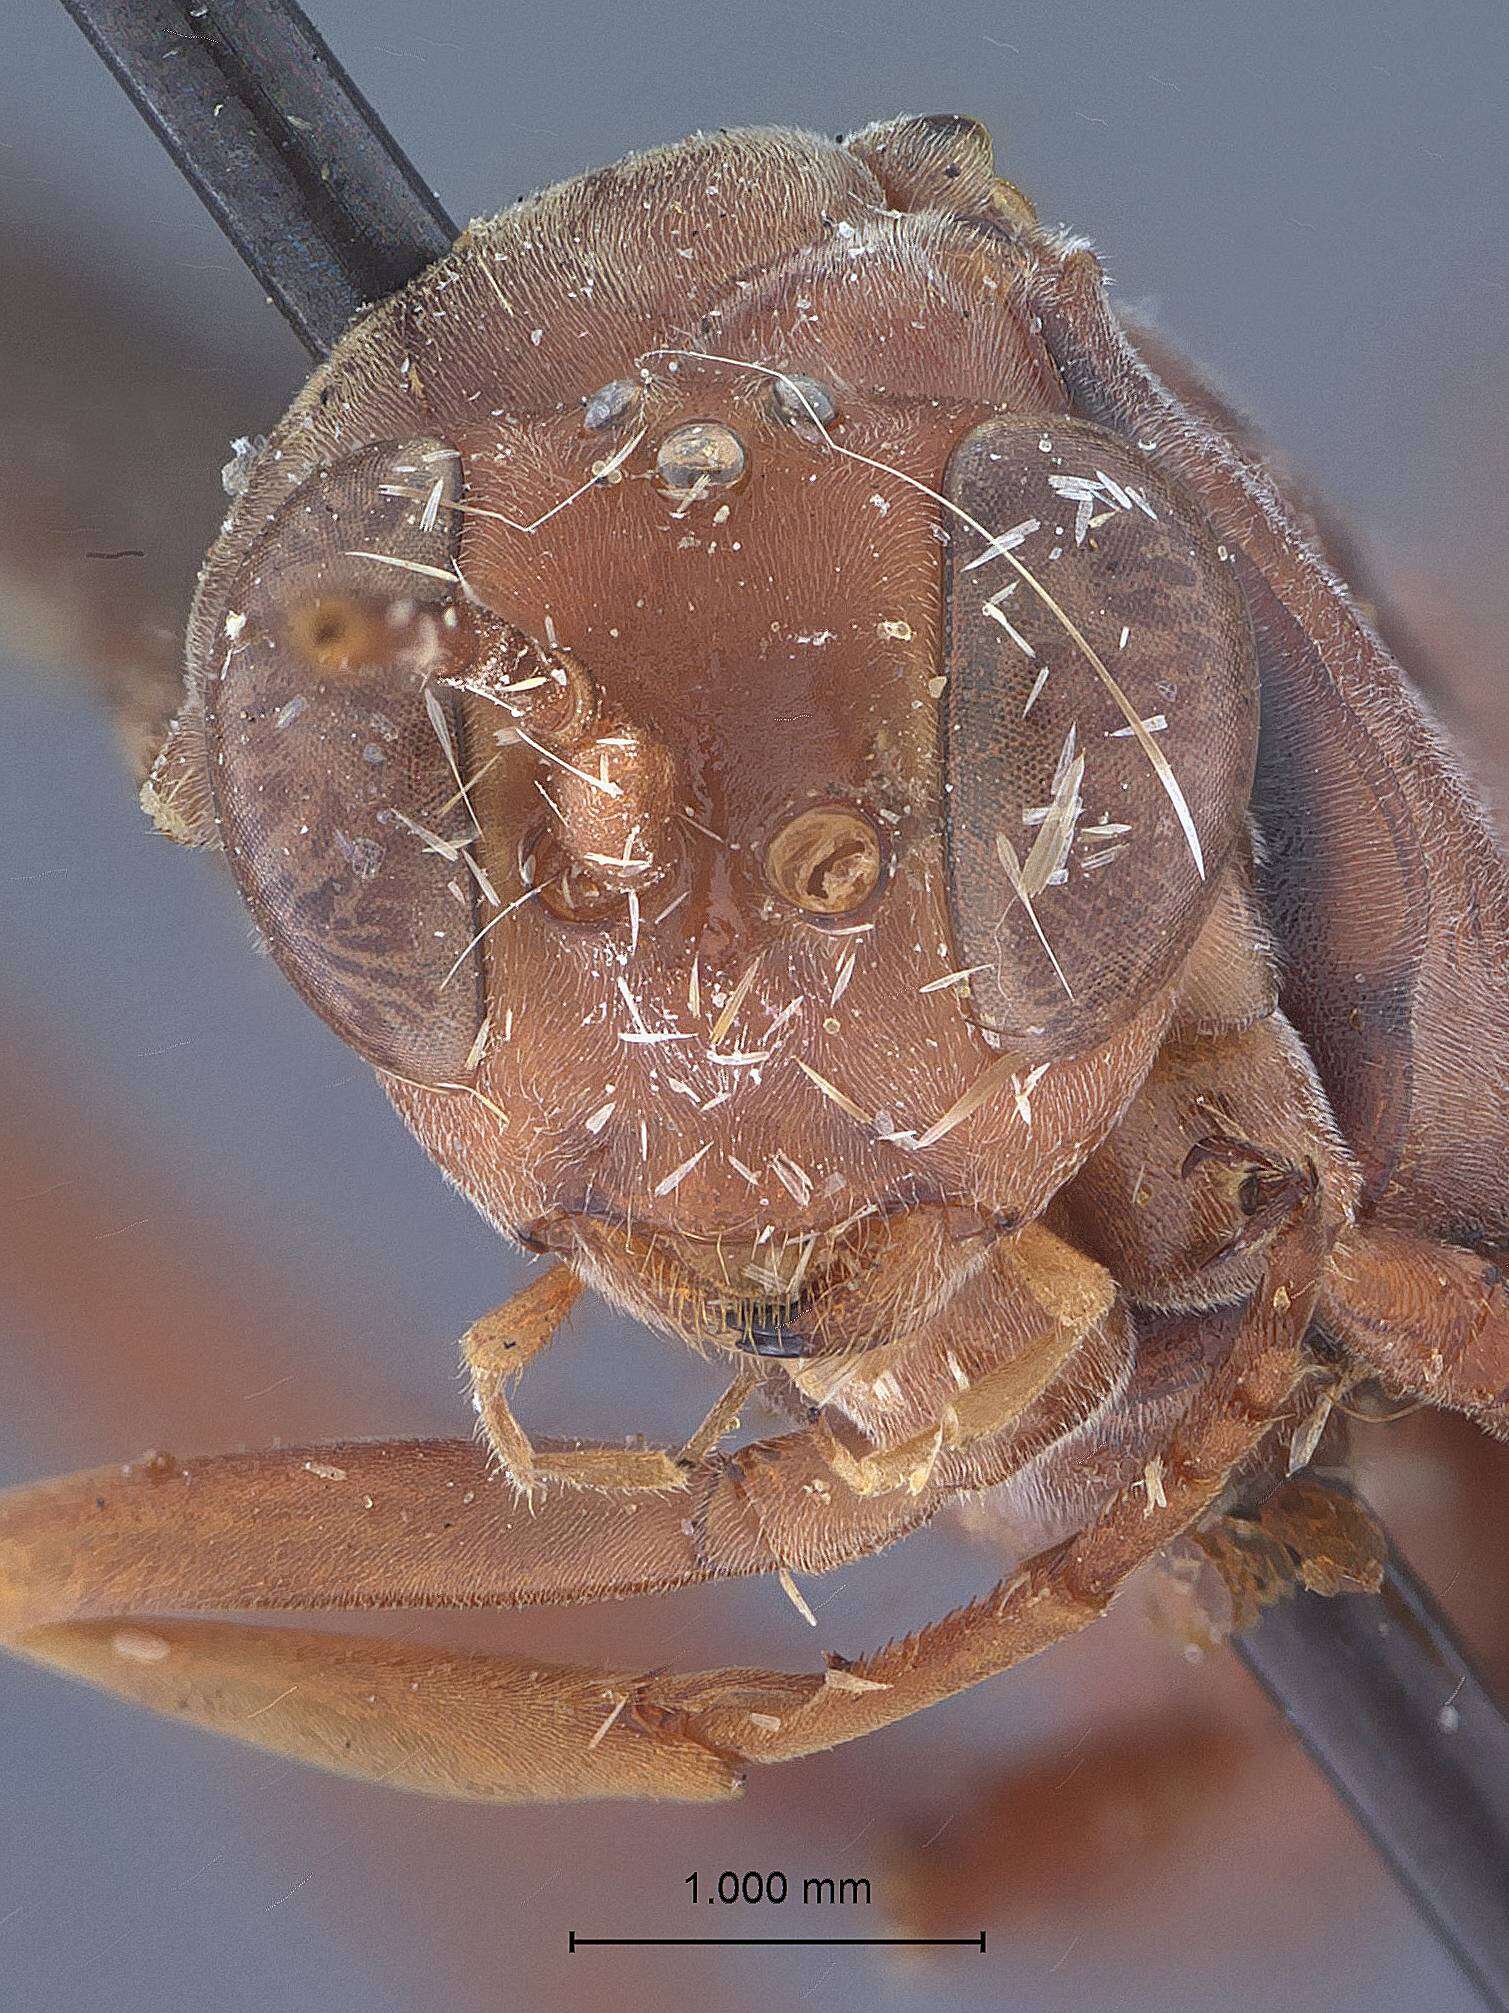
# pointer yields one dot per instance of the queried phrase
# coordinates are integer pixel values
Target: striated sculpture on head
(848, 810)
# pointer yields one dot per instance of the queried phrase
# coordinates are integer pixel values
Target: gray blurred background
(213, 1232)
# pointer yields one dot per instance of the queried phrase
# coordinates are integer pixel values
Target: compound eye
(827, 861)
(1100, 727)
(334, 755)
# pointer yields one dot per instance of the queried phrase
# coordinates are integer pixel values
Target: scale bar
(575, 1942)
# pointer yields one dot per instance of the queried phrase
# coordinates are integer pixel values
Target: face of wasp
(661, 755)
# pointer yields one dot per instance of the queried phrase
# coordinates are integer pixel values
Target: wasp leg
(432, 1524)
(1036, 1307)
(775, 1717)
(1430, 1319)
(487, 1728)
(879, 1470)
(633, 1470)
(89, 1563)
(497, 1349)
(100, 1575)
(720, 1421)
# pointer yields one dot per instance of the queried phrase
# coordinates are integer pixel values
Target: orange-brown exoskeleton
(850, 815)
